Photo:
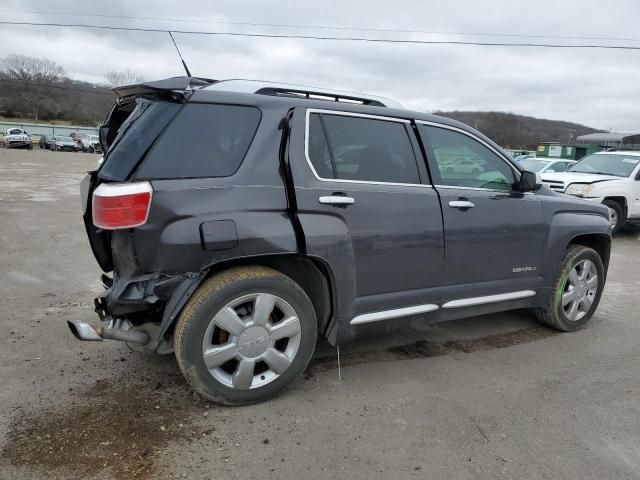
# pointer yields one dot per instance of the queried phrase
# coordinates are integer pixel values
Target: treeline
(518, 131)
(39, 90)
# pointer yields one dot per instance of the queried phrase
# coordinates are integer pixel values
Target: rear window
(362, 149)
(204, 140)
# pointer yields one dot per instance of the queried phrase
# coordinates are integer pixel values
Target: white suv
(610, 178)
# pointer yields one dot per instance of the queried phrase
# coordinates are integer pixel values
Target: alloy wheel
(251, 341)
(613, 217)
(580, 290)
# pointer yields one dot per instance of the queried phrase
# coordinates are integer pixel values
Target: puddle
(108, 427)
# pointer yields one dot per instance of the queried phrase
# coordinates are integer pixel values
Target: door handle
(337, 200)
(461, 204)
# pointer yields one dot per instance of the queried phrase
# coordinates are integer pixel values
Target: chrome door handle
(461, 204)
(337, 200)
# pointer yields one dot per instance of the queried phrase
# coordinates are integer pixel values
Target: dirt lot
(485, 398)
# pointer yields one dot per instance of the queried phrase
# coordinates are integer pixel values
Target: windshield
(607, 164)
(533, 165)
(64, 139)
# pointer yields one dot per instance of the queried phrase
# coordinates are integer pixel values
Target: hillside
(518, 131)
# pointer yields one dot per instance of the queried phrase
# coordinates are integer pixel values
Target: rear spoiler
(180, 84)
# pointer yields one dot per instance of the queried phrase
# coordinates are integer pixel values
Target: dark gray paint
(388, 250)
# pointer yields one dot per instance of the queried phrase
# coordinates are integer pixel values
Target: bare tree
(35, 79)
(118, 78)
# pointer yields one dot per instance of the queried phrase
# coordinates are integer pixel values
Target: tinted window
(357, 148)
(465, 162)
(204, 140)
(135, 136)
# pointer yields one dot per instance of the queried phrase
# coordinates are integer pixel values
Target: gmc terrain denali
(242, 220)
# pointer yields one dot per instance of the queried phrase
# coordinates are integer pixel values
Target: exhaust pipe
(93, 333)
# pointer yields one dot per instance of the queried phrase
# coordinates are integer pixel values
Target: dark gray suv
(243, 220)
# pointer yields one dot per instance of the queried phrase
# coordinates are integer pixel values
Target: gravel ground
(489, 397)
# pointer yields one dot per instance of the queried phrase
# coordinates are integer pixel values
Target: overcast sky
(599, 88)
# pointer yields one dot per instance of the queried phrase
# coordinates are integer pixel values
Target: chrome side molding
(395, 313)
(430, 307)
(501, 297)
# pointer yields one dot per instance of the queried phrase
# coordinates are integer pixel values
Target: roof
(605, 137)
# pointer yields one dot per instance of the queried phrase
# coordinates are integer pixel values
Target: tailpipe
(93, 333)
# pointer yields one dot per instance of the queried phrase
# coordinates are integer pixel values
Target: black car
(45, 141)
(63, 143)
(243, 220)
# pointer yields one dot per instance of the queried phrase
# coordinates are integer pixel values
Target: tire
(237, 290)
(559, 317)
(30, 146)
(618, 212)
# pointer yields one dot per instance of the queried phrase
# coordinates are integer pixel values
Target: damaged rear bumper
(139, 310)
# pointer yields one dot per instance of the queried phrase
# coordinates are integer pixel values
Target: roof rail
(302, 91)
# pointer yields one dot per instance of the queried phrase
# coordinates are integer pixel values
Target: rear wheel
(616, 215)
(245, 335)
(576, 291)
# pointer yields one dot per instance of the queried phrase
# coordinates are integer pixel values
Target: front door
(494, 236)
(368, 210)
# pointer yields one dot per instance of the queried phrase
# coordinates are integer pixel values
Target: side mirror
(529, 182)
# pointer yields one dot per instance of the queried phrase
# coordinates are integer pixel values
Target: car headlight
(579, 189)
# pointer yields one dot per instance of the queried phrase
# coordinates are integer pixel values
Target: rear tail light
(121, 205)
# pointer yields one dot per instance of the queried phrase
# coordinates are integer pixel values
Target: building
(620, 141)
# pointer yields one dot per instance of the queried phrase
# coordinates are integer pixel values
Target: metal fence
(47, 129)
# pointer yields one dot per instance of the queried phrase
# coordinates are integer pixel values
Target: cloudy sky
(594, 87)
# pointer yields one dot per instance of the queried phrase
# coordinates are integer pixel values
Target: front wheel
(576, 292)
(245, 335)
(616, 215)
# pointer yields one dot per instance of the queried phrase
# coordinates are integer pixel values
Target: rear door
(367, 209)
(494, 235)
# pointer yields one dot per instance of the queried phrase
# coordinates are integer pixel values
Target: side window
(465, 162)
(560, 166)
(357, 148)
(204, 140)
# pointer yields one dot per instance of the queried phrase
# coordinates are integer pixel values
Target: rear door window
(361, 148)
(204, 140)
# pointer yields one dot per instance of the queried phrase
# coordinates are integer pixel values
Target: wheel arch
(622, 201)
(311, 274)
(599, 242)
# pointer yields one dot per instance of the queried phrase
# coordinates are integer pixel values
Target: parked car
(64, 143)
(546, 165)
(611, 178)
(522, 157)
(91, 144)
(243, 220)
(17, 138)
(45, 141)
(461, 166)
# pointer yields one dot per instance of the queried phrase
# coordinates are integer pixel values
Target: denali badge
(523, 269)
